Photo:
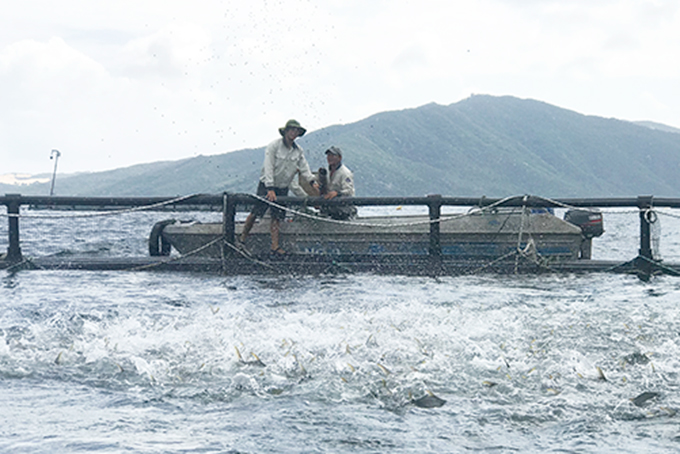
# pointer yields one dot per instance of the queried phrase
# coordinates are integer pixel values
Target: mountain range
(482, 145)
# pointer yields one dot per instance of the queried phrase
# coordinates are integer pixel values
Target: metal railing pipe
(13, 203)
(228, 221)
(435, 208)
(644, 204)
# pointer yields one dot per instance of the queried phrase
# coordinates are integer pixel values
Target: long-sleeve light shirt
(281, 164)
(342, 181)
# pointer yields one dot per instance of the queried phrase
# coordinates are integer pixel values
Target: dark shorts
(261, 207)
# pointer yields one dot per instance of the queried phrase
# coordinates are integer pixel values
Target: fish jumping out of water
(428, 401)
(642, 399)
(256, 362)
(636, 358)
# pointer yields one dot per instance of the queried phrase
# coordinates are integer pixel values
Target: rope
(522, 253)
(175, 259)
(528, 253)
(620, 265)
(670, 215)
(20, 265)
(442, 219)
(648, 211)
(100, 213)
(555, 202)
(531, 254)
(247, 256)
(199, 249)
(493, 262)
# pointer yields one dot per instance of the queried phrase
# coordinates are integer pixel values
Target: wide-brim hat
(292, 124)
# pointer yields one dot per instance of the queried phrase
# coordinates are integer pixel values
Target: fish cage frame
(644, 264)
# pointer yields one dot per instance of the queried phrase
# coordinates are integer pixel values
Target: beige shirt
(281, 164)
(342, 181)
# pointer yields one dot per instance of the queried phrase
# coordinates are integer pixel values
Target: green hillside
(483, 145)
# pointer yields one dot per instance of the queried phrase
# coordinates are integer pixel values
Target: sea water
(155, 362)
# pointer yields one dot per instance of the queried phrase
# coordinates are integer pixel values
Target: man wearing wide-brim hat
(283, 160)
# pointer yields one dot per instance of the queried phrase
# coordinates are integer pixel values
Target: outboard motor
(589, 221)
(591, 226)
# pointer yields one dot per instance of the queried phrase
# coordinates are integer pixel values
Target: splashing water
(183, 362)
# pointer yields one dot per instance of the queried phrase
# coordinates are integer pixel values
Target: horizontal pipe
(248, 199)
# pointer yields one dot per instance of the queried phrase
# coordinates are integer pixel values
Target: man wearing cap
(283, 159)
(340, 184)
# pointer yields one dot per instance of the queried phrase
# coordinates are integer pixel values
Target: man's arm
(305, 171)
(268, 166)
(344, 186)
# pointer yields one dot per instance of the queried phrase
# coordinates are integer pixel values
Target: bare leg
(274, 230)
(247, 227)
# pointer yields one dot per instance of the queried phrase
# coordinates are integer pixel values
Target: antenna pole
(54, 155)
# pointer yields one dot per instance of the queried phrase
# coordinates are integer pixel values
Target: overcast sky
(116, 83)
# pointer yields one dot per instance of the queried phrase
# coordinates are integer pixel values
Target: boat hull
(478, 236)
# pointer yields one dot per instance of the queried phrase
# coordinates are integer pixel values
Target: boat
(477, 237)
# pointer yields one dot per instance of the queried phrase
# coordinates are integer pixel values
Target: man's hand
(271, 195)
(330, 195)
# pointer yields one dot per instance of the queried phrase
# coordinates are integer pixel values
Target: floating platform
(305, 265)
(430, 251)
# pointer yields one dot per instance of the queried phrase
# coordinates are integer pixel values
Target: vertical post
(586, 249)
(13, 208)
(228, 218)
(644, 205)
(435, 207)
(644, 261)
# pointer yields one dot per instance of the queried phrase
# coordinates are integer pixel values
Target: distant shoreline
(21, 179)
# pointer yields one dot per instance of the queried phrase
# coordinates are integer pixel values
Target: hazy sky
(115, 83)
